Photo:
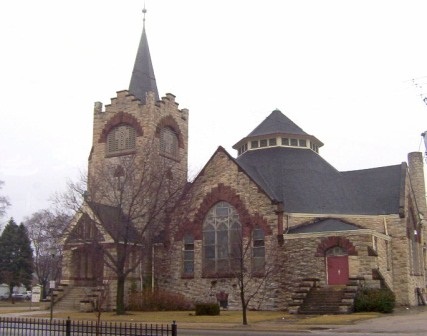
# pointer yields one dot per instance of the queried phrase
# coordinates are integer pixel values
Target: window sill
(219, 275)
(108, 155)
(171, 157)
(187, 276)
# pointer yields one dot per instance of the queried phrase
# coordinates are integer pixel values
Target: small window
(272, 142)
(243, 148)
(188, 255)
(294, 142)
(303, 143)
(121, 139)
(258, 251)
(263, 143)
(285, 142)
(254, 144)
(168, 142)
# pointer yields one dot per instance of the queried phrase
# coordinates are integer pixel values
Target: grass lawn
(168, 317)
(275, 319)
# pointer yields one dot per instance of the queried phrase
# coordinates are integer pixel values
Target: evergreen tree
(16, 259)
(25, 257)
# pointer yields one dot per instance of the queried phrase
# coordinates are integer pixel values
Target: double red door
(337, 270)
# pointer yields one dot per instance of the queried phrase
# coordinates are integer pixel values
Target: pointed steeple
(143, 79)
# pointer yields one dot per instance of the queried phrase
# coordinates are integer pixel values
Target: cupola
(277, 130)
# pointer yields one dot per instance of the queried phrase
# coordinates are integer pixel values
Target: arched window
(121, 139)
(258, 251)
(168, 142)
(336, 251)
(221, 240)
(188, 256)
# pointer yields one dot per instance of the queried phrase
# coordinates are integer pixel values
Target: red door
(337, 270)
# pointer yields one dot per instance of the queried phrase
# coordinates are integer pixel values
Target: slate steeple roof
(143, 79)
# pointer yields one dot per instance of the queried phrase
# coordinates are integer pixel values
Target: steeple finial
(144, 11)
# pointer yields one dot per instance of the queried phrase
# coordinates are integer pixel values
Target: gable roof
(324, 225)
(306, 183)
(115, 222)
(221, 149)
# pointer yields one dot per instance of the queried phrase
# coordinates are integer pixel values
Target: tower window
(254, 144)
(263, 143)
(294, 142)
(168, 142)
(272, 142)
(121, 139)
(302, 143)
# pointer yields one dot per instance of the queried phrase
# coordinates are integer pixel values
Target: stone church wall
(222, 180)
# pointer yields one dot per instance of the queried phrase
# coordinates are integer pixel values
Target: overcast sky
(350, 73)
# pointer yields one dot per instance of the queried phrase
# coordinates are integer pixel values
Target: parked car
(4, 296)
(19, 296)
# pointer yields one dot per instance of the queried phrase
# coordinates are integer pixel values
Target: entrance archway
(337, 269)
(87, 266)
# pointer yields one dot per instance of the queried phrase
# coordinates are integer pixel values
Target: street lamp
(52, 253)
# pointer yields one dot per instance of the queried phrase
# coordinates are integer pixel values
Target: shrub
(374, 300)
(158, 300)
(207, 309)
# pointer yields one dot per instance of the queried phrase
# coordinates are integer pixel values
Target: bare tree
(45, 229)
(252, 268)
(130, 199)
(4, 202)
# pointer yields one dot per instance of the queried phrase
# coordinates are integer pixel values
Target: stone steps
(321, 301)
(70, 298)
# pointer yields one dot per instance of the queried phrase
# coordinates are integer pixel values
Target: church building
(274, 217)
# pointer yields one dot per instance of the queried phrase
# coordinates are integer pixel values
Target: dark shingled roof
(143, 79)
(118, 226)
(306, 183)
(276, 123)
(329, 224)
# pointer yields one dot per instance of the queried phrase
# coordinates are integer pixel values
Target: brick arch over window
(329, 242)
(226, 194)
(118, 119)
(168, 121)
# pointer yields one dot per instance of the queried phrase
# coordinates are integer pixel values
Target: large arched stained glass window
(222, 236)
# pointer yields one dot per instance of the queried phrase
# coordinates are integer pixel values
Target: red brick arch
(118, 119)
(332, 241)
(229, 195)
(168, 121)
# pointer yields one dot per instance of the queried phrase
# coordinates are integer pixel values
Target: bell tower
(138, 124)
